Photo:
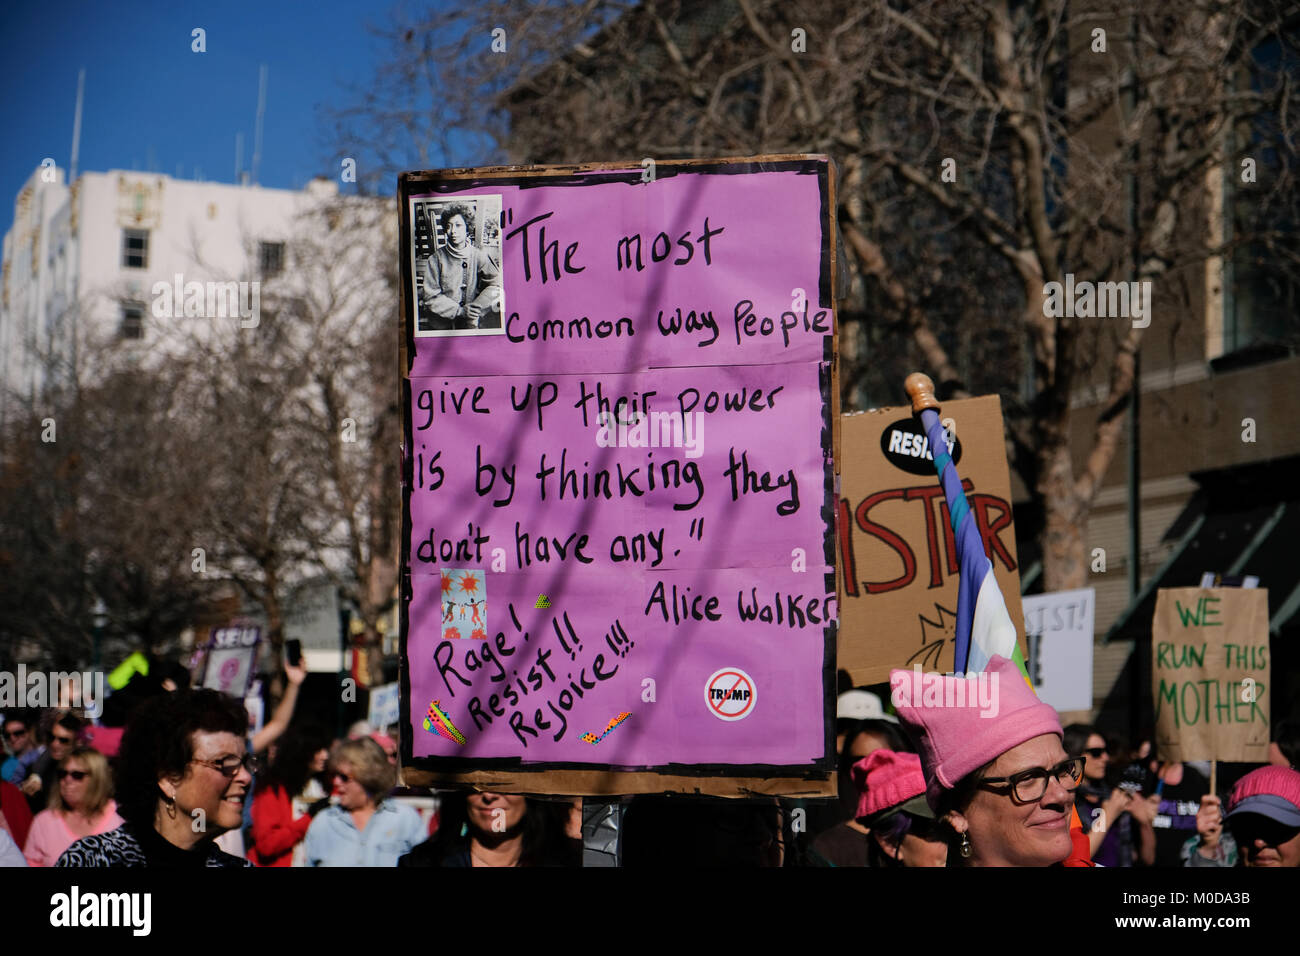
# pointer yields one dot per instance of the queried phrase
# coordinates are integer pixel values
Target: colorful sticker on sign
(437, 722)
(614, 722)
(464, 604)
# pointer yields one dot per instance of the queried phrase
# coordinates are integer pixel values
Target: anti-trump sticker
(730, 694)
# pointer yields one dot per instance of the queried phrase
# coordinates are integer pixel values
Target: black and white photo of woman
(461, 284)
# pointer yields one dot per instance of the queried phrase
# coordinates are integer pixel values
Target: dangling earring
(170, 803)
(964, 849)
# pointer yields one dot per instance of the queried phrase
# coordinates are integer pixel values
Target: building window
(132, 321)
(135, 248)
(270, 256)
(1261, 302)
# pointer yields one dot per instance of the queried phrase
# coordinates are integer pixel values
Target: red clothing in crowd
(17, 814)
(275, 831)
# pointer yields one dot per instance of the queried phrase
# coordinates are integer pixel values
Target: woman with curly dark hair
(182, 778)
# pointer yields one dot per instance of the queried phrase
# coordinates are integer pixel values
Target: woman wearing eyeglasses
(996, 775)
(80, 806)
(182, 778)
(364, 828)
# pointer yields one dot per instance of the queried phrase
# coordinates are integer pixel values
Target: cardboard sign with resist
(898, 572)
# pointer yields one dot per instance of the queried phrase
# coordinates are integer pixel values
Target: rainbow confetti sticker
(593, 739)
(437, 721)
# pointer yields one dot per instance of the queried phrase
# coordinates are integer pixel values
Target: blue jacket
(334, 840)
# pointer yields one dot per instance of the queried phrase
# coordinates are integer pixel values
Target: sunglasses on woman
(1248, 828)
(229, 766)
(74, 774)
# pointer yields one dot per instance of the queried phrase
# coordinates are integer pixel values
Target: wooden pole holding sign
(920, 389)
(618, 392)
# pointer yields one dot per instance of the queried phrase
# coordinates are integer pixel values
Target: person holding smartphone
(1118, 819)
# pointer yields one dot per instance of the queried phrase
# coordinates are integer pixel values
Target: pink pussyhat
(958, 738)
(386, 743)
(1273, 792)
(886, 779)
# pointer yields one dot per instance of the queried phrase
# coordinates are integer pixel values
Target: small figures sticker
(464, 604)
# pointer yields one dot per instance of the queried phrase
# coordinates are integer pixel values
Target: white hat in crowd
(862, 705)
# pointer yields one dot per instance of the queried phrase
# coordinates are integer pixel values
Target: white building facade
(83, 264)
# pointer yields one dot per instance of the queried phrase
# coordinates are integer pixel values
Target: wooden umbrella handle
(921, 390)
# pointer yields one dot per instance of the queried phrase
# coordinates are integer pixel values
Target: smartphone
(1137, 779)
(293, 652)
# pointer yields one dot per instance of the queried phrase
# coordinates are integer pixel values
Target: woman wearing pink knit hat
(995, 770)
(893, 805)
(1263, 818)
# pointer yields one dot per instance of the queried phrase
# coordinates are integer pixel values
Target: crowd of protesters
(182, 781)
(172, 776)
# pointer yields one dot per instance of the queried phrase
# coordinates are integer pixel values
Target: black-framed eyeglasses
(12, 734)
(342, 777)
(63, 740)
(74, 774)
(1097, 752)
(1028, 786)
(229, 766)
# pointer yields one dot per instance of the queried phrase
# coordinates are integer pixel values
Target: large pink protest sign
(618, 471)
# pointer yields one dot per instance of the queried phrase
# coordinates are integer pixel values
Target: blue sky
(151, 101)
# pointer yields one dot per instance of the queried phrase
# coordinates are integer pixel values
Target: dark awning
(1241, 521)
